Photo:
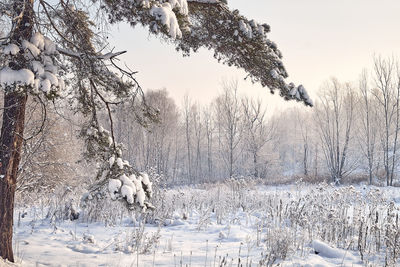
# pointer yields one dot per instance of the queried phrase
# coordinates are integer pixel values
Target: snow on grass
(324, 250)
(8, 264)
(294, 225)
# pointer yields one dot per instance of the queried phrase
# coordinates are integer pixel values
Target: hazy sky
(318, 39)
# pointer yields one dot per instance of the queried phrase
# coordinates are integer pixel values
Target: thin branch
(44, 118)
(108, 110)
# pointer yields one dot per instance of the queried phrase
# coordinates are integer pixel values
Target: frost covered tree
(369, 129)
(386, 80)
(258, 130)
(49, 152)
(335, 117)
(50, 50)
(230, 124)
(158, 137)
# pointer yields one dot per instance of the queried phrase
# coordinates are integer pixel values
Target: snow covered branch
(235, 40)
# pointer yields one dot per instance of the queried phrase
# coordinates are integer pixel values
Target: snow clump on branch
(42, 74)
(167, 17)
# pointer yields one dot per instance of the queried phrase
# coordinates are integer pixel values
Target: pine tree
(67, 64)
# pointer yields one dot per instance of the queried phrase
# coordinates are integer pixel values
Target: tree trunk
(10, 155)
(305, 159)
(255, 162)
(12, 131)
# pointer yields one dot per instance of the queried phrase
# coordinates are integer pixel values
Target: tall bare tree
(335, 114)
(258, 130)
(187, 116)
(386, 77)
(230, 121)
(303, 119)
(198, 137)
(209, 133)
(369, 125)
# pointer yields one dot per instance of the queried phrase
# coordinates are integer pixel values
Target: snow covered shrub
(138, 241)
(278, 244)
(60, 205)
(99, 208)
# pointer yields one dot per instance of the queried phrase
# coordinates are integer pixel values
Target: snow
(136, 181)
(305, 95)
(145, 178)
(49, 47)
(111, 161)
(36, 85)
(113, 187)
(246, 29)
(61, 84)
(127, 191)
(37, 67)
(50, 68)
(167, 17)
(45, 85)
(181, 5)
(205, 1)
(38, 40)
(110, 141)
(9, 77)
(324, 250)
(51, 77)
(7, 264)
(11, 49)
(128, 182)
(31, 48)
(275, 75)
(140, 197)
(120, 163)
(42, 73)
(194, 236)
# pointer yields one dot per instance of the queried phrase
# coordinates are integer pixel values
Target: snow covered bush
(139, 241)
(278, 245)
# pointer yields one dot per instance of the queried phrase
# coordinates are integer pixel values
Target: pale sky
(318, 38)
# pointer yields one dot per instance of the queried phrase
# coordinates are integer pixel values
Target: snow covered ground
(223, 225)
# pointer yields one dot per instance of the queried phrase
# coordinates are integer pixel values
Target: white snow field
(235, 223)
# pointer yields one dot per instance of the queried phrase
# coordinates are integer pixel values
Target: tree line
(350, 135)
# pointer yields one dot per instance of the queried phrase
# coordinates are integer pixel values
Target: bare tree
(229, 117)
(258, 130)
(209, 129)
(305, 131)
(334, 116)
(159, 135)
(387, 93)
(368, 130)
(49, 153)
(187, 124)
(198, 137)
